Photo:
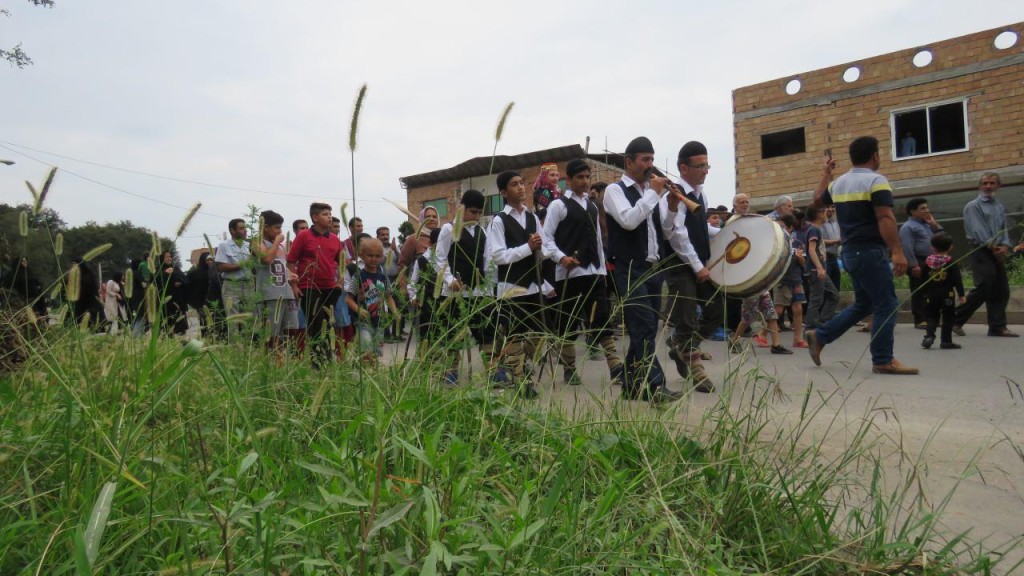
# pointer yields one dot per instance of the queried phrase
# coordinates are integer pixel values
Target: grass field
(143, 456)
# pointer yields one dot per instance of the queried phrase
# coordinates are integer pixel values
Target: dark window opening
(930, 130)
(783, 143)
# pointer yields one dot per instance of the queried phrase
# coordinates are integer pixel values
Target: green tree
(128, 242)
(38, 245)
(16, 56)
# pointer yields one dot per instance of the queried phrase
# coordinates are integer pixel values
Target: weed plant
(150, 456)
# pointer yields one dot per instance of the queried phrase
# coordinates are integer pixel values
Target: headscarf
(544, 191)
(424, 230)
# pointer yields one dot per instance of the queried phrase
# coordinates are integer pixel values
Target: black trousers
(685, 294)
(318, 304)
(991, 288)
(939, 305)
(583, 301)
(918, 296)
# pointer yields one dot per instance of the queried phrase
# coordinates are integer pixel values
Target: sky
(149, 107)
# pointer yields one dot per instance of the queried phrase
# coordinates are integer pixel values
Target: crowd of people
(584, 260)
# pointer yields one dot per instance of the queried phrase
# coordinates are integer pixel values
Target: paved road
(960, 420)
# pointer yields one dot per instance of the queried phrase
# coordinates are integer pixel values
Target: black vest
(697, 229)
(576, 235)
(426, 279)
(523, 272)
(625, 246)
(466, 257)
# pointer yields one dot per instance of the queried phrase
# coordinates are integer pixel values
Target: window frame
(894, 139)
(437, 204)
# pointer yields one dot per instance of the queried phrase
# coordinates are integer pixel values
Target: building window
(493, 204)
(783, 143)
(933, 129)
(441, 205)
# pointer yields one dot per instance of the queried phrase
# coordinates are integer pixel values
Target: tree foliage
(16, 56)
(40, 245)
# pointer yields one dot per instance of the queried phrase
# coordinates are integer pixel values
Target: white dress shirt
(557, 212)
(674, 226)
(617, 207)
(501, 254)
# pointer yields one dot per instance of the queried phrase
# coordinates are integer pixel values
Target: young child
(276, 286)
(465, 291)
(823, 296)
(758, 308)
(790, 291)
(943, 287)
(421, 286)
(367, 291)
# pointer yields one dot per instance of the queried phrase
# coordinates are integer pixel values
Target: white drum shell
(762, 268)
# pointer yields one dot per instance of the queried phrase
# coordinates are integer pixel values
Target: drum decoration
(749, 254)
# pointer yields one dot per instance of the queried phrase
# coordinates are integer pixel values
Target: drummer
(685, 271)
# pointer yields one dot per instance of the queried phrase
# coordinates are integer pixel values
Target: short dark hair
(472, 199)
(942, 242)
(335, 220)
(813, 211)
(789, 220)
(383, 228)
(295, 225)
(352, 221)
(599, 186)
(271, 218)
(862, 149)
(360, 237)
(914, 204)
(318, 208)
(231, 226)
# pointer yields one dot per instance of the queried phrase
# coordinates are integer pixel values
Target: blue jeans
(640, 289)
(874, 293)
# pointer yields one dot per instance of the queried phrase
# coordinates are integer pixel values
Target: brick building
(944, 113)
(442, 188)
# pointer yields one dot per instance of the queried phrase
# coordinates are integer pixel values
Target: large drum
(749, 254)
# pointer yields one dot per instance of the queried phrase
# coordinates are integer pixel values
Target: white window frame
(928, 135)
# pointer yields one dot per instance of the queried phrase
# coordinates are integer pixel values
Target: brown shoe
(1004, 333)
(894, 367)
(811, 336)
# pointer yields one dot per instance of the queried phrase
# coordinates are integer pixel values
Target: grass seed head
(151, 303)
(188, 219)
(23, 224)
(501, 123)
(129, 283)
(45, 190)
(58, 247)
(354, 128)
(97, 251)
(74, 283)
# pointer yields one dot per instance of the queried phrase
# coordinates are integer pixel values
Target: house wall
(834, 112)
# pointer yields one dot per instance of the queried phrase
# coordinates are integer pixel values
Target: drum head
(748, 255)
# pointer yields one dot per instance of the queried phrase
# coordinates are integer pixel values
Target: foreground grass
(144, 456)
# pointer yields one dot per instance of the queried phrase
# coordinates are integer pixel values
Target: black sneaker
(927, 342)
(572, 378)
(528, 392)
(618, 375)
(682, 367)
(660, 395)
(780, 349)
(950, 346)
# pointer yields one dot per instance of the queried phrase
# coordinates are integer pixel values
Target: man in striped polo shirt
(863, 201)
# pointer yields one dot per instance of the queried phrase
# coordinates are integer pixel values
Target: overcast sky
(258, 95)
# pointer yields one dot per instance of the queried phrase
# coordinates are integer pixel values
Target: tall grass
(122, 455)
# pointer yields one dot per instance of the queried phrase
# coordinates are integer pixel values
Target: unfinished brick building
(944, 113)
(442, 188)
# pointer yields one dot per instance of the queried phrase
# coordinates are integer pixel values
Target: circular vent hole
(923, 58)
(1006, 40)
(793, 86)
(852, 74)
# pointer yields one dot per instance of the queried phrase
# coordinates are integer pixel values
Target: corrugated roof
(481, 166)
